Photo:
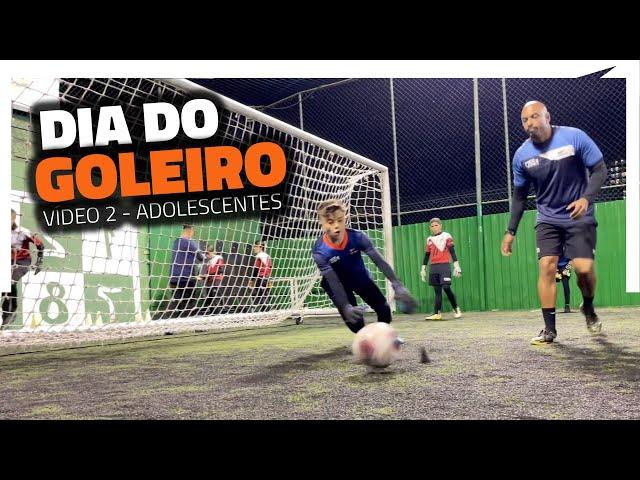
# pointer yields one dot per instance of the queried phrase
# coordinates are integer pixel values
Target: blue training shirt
(345, 259)
(185, 253)
(558, 170)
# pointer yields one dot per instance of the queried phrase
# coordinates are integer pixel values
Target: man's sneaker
(594, 324)
(544, 337)
(435, 316)
(567, 309)
(457, 313)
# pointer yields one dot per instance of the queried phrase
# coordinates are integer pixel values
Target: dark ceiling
(261, 91)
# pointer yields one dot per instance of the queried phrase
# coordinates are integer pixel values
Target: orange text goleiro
(206, 167)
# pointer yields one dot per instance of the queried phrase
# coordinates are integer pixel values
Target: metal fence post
(395, 152)
(481, 259)
(506, 139)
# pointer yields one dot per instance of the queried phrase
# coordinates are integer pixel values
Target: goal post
(115, 282)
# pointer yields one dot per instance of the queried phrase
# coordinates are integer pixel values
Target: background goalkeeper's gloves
(457, 271)
(423, 273)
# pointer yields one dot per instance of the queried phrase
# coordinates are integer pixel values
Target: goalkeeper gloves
(423, 273)
(352, 314)
(457, 271)
(406, 303)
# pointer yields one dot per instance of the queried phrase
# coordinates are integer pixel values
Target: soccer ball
(376, 345)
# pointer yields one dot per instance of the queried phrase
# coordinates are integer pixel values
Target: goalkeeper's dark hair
(329, 207)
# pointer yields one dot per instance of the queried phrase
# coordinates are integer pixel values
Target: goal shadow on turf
(300, 364)
(370, 376)
(307, 363)
(618, 362)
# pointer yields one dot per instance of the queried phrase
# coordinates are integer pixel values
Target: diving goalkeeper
(338, 256)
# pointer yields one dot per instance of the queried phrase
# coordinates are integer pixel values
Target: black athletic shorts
(577, 240)
(440, 274)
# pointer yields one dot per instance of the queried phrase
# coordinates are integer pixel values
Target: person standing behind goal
(441, 251)
(186, 254)
(213, 278)
(20, 266)
(261, 275)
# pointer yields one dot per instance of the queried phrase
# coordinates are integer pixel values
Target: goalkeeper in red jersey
(440, 251)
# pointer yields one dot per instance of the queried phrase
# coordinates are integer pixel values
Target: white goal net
(109, 283)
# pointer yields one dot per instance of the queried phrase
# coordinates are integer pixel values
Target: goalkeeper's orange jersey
(263, 264)
(438, 248)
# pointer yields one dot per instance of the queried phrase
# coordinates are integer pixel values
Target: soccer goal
(98, 284)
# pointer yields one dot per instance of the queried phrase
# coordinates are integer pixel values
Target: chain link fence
(424, 131)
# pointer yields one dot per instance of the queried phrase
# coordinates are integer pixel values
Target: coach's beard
(534, 135)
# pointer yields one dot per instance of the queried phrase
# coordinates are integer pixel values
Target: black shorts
(577, 240)
(440, 274)
(369, 292)
(20, 268)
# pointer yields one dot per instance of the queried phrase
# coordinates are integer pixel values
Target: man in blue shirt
(338, 256)
(186, 252)
(567, 170)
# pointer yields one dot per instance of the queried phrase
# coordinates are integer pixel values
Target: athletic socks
(549, 315)
(587, 304)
